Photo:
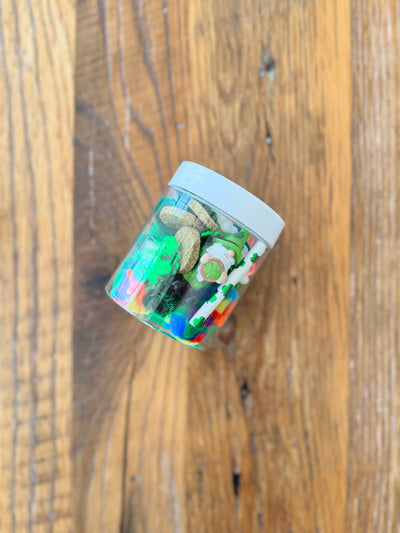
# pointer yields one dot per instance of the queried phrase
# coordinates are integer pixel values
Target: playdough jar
(186, 270)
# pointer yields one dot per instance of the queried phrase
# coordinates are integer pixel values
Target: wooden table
(292, 423)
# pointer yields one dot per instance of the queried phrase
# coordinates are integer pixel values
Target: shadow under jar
(195, 256)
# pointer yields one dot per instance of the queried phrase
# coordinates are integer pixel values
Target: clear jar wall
(176, 276)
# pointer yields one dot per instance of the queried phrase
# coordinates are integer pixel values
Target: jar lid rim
(231, 198)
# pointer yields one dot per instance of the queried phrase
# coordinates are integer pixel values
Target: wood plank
(373, 472)
(37, 42)
(252, 90)
(266, 80)
(129, 384)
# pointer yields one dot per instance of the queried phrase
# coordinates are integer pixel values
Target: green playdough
(155, 257)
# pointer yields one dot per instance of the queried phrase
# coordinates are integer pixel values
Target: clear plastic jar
(195, 256)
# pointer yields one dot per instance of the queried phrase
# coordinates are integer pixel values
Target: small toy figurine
(218, 258)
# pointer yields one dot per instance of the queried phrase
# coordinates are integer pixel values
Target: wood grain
(277, 395)
(373, 500)
(290, 424)
(36, 105)
(129, 385)
(245, 437)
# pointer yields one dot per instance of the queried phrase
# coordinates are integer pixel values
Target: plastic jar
(187, 269)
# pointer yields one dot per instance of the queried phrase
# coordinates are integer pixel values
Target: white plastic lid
(230, 198)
